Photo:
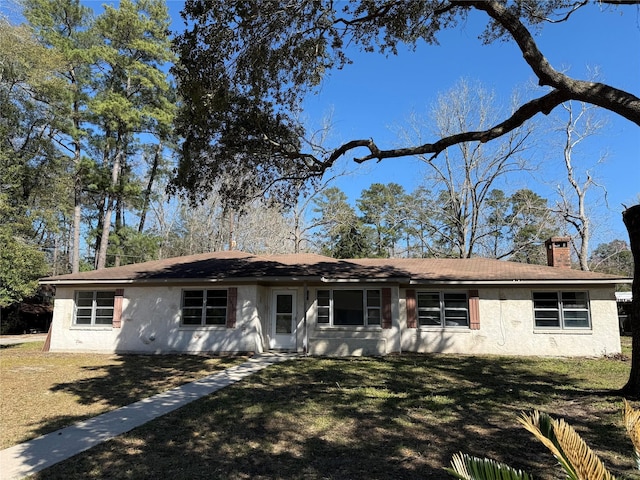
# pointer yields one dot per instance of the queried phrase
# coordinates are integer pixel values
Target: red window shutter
(386, 308)
(117, 308)
(412, 318)
(474, 310)
(232, 301)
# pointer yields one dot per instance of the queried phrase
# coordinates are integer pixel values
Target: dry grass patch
(41, 392)
(376, 418)
(398, 417)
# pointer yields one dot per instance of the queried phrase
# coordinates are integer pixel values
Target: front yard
(398, 417)
(42, 392)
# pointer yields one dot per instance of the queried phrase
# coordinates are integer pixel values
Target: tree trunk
(118, 228)
(108, 213)
(101, 206)
(149, 189)
(55, 255)
(631, 218)
(75, 249)
(232, 233)
(104, 235)
(77, 186)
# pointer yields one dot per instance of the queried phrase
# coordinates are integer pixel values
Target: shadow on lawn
(139, 376)
(131, 379)
(391, 418)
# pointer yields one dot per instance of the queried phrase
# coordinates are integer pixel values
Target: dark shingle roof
(239, 265)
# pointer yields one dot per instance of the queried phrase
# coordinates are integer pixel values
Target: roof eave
(366, 280)
(523, 282)
(321, 279)
(162, 281)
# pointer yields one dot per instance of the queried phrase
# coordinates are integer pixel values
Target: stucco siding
(151, 324)
(262, 305)
(507, 327)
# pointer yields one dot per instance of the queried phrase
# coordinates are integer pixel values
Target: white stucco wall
(507, 327)
(151, 324)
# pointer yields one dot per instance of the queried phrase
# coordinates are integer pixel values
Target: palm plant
(574, 455)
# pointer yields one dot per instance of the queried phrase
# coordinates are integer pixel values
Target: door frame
(279, 341)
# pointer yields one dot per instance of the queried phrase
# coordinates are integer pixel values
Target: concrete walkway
(42, 452)
(16, 339)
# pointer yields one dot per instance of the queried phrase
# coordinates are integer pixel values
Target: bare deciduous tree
(572, 205)
(211, 226)
(263, 229)
(465, 175)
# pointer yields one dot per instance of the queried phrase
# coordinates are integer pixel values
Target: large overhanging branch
(543, 105)
(619, 101)
(565, 88)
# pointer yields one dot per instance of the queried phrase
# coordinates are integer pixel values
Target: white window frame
(93, 308)
(205, 307)
(327, 311)
(442, 309)
(561, 310)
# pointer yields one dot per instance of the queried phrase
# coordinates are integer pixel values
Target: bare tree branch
(605, 96)
(576, 6)
(543, 105)
(564, 89)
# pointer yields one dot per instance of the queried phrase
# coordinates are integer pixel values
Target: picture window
(344, 307)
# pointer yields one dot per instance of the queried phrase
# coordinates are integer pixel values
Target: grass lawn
(42, 392)
(398, 417)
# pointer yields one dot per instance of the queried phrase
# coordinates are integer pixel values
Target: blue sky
(373, 97)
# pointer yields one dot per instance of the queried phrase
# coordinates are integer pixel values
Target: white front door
(283, 320)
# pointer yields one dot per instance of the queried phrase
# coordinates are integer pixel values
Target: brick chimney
(558, 252)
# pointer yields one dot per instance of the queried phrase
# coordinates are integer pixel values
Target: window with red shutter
(474, 310)
(117, 308)
(442, 309)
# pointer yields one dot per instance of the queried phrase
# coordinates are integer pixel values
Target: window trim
(561, 311)
(94, 308)
(329, 309)
(204, 307)
(442, 309)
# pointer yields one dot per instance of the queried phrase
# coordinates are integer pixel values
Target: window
(349, 307)
(204, 307)
(561, 309)
(94, 308)
(438, 309)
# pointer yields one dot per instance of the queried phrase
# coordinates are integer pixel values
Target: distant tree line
(386, 221)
